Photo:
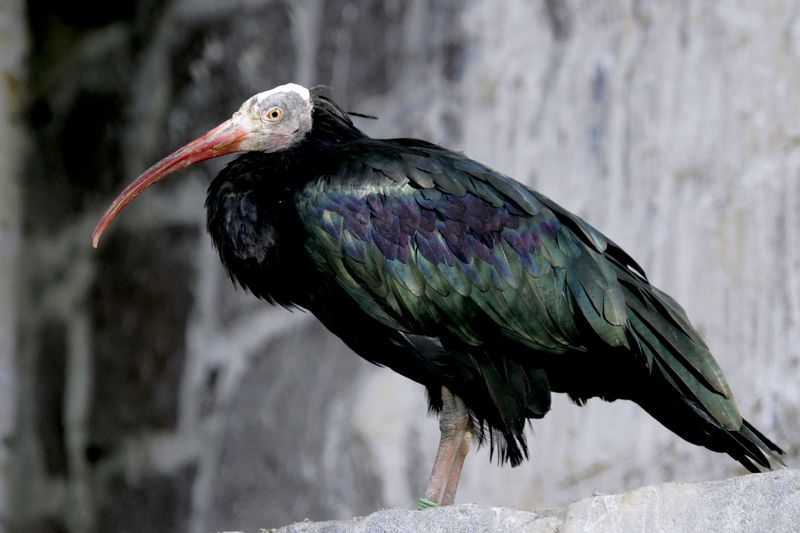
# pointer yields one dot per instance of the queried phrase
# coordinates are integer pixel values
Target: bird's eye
(274, 114)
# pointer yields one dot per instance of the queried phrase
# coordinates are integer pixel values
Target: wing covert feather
(435, 240)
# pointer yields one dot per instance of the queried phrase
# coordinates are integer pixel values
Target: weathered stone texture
(48, 399)
(140, 300)
(157, 503)
(13, 47)
(79, 74)
(360, 46)
(277, 413)
(208, 82)
(747, 504)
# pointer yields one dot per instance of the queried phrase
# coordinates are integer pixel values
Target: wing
(425, 239)
(432, 243)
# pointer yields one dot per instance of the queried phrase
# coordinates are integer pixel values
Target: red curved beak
(224, 139)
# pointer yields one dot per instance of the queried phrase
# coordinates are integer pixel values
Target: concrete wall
(153, 396)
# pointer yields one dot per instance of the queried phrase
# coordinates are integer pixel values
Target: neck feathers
(331, 127)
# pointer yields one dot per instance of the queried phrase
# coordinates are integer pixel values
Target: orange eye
(274, 114)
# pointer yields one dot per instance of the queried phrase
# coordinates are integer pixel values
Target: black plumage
(422, 260)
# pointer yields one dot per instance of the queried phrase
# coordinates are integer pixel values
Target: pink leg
(456, 428)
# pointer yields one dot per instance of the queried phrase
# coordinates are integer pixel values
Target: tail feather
(741, 444)
(688, 392)
(769, 448)
(721, 407)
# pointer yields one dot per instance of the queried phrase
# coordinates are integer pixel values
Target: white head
(275, 119)
(267, 122)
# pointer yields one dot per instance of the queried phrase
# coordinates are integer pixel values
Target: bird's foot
(424, 503)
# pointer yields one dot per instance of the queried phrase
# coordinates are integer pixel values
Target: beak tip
(96, 238)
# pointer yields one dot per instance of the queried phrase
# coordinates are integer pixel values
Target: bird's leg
(456, 429)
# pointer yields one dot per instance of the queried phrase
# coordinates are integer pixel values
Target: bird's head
(270, 121)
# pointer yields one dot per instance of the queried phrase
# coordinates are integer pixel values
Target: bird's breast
(260, 242)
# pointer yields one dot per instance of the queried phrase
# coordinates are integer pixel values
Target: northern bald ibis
(452, 274)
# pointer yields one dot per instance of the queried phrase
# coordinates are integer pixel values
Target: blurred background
(139, 391)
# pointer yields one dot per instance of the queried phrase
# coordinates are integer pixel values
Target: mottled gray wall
(153, 396)
(13, 43)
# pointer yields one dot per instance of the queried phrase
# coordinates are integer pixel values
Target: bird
(454, 275)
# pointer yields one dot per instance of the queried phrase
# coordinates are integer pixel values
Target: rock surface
(754, 503)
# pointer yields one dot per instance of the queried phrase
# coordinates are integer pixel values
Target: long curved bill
(224, 139)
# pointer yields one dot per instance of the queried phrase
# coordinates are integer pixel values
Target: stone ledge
(752, 503)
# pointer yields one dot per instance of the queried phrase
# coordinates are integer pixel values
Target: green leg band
(424, 503)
